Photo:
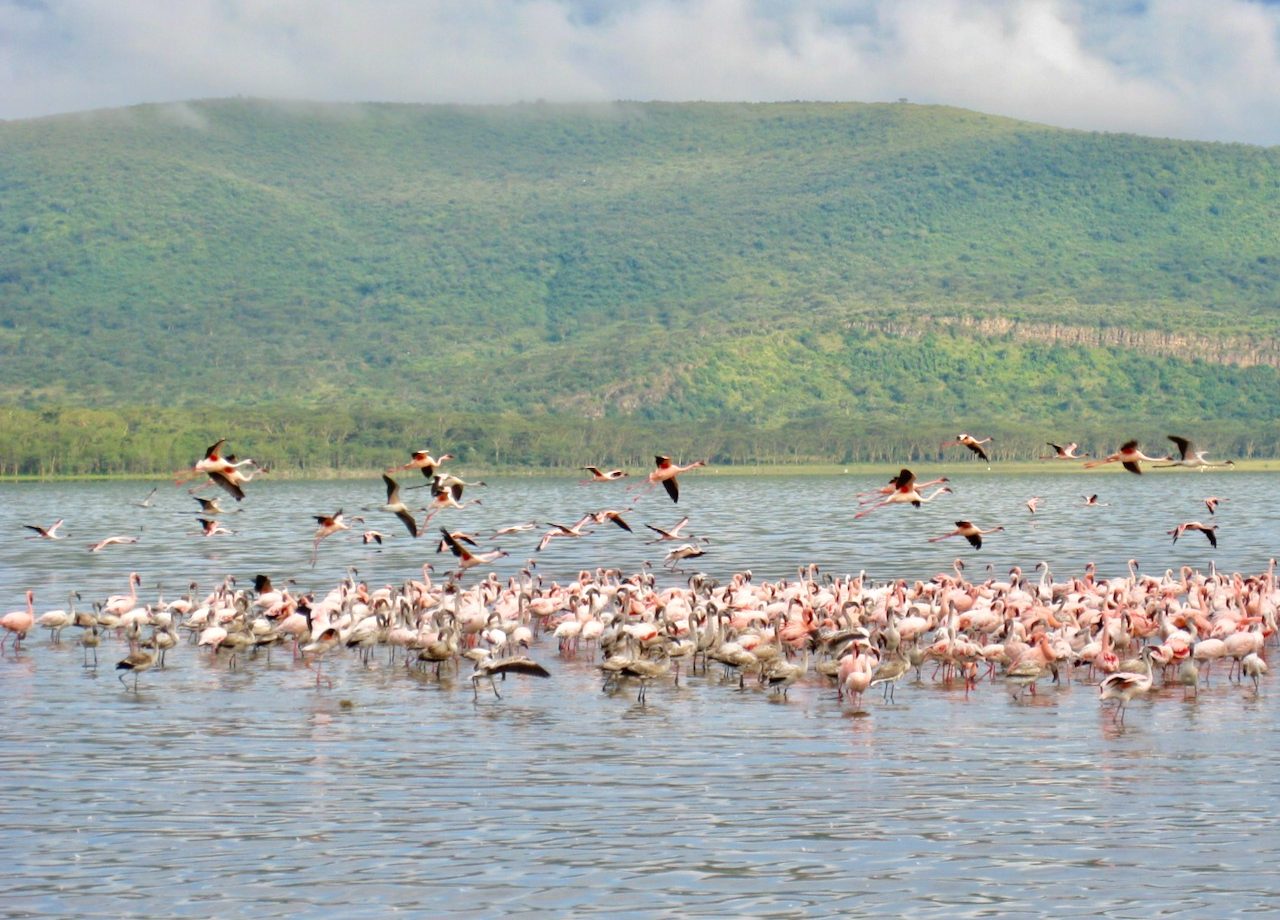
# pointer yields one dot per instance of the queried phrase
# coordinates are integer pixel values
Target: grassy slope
(663, 262)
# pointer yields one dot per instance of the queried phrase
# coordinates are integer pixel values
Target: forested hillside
(547, 285)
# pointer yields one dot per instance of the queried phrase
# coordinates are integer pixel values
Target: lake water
(249, 792)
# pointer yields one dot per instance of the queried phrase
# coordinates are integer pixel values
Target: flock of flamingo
(1121, 633)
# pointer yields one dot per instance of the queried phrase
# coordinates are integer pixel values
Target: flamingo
(970, 532)
(211, 527)
(685, 551)
(1123, 686)
(422, 460)
(518, 664)
(1253, 667)
(209, 506)
(397, 507)
(905, 493)
(1033, 503)
(136, 661)
(46, 533)
(1189, 456)
(666, 472)
(446, 497)
(1092, 500)
(612, 516)
(972, 443)
(224, 471)
(466, 558)
(598, 475)
(1211, 502)
(867, 497)
(19, 622)
(1064, 452)
(329, 525)
(671, 533)
(110, 541)
(565, 530)
(1209, 531)
(1128, 456)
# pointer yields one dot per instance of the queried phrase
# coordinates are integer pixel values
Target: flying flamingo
(446, 497)
(905, 493)
(682, 552)
(224, 471)
(892, 486)
(666, 472)
(110, 541)
(598, 475)
(972, 443)
(46, 533)
(1064, 452)
(1209, 531)
(329, 525)
(1033, 503)
(19, 622)
(397, 507)
(422, 460)
(970, 532)
(466, 558)
(1128, 456)
(565, 530)
(1093, 500)
(671, 533)
(1212, 503)
(211, 527)
(1190, 456)
(612, 516)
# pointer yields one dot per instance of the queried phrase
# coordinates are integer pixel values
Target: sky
(1193, 69)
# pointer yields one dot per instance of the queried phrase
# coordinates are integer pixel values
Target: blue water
(250, 792)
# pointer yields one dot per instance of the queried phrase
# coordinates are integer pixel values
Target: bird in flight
(905, 493)
(1064, 452)
(970, 532)
(110, 541)
(1210, 531)
(666, 471)
(972, 443)
(598, 475)
(1189, 455)
(1128, 456)
(46, 533)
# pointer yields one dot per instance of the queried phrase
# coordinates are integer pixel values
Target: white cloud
(1184, 68)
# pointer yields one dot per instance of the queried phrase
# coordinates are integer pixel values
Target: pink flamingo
(970, 532)
(422, 460)
(19, 622)
(466, 558)
(329, 525)
(1128, 456)
(598, 475)
(46, 533)
(1064, 452)
(666, 472)
(1209, 531)
(905, 493)
(442, 497)
(972, 443)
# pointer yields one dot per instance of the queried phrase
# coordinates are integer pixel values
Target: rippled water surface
(214, 792)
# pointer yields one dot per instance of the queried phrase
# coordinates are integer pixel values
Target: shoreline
(948, 468)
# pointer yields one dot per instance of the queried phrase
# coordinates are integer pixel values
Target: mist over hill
(549, 284)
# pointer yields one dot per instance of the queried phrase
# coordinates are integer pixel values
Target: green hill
(533, 284)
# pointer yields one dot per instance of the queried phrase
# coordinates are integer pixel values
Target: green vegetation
(331, 286)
